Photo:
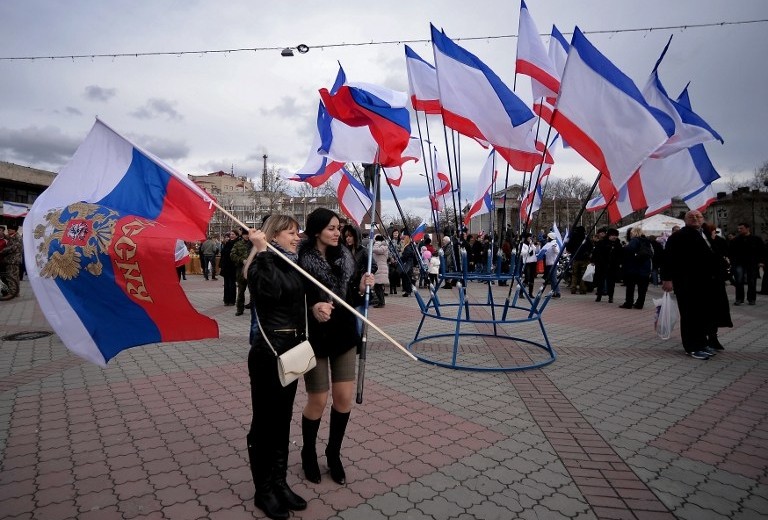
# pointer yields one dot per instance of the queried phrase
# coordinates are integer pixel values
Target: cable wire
(201, 53)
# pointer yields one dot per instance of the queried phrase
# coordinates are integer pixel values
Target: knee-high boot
(261, 469)
(333, 451)
(309, 428)
(284, 493)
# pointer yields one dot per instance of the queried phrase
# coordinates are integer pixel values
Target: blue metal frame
(528, 305)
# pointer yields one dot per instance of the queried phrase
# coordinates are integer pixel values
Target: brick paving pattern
(622, 425)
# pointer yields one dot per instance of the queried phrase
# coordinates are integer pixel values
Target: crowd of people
(11, 261)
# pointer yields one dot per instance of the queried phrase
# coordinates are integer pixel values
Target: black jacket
(338, 334)
(278, 291)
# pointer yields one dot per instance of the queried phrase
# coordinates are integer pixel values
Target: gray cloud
(97, 93)
(157, 107)
(165, 149)
(44, 147)
(72, 111)
(287, 108)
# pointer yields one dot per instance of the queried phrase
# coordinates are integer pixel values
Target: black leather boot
(309, 464)
(333, 451)
(265, 498)
(284, 493)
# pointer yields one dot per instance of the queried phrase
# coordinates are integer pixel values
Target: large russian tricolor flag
(602, 115)
(478, 104)
(382, 110)
(100, 246)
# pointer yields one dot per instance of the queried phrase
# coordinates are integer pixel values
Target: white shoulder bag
(296, 361)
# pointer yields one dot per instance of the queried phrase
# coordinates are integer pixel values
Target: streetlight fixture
(288, 51)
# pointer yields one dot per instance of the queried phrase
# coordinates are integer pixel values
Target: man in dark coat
(692, 270)
(747, 256)
(607, 256)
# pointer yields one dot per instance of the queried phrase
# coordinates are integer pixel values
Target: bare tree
(573, 187)
(303, 189)
(411, 221)
(758, 181)
(271, 192)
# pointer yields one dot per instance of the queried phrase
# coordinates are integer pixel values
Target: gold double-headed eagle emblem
(74, 238)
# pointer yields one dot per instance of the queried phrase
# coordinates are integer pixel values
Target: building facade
(22, 185)
(239, 197)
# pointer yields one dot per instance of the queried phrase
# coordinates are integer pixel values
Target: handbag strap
(264, 335)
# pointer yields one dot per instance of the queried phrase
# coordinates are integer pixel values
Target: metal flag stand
(473, 320)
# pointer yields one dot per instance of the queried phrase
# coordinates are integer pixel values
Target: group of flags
(646, 146)
(102, 242)
(631, 136)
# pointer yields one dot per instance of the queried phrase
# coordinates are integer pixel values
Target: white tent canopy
(654, 225)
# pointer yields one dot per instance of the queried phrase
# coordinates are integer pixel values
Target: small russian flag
(419, 232)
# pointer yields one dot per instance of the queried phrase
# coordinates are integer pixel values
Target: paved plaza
(622, 425)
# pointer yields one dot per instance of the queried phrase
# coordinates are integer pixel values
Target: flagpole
(364, 345)
(381, 222)
(430, 190)
(309, 277)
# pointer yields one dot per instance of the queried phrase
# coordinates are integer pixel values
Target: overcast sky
(207, 112)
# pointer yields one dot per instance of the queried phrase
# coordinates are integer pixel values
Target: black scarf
(293, 257)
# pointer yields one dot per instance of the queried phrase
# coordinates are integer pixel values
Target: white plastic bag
(666, 316)
(589, 273)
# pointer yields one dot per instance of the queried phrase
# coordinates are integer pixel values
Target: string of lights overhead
(303, 48)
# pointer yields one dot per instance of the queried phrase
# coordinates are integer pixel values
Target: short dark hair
(746, 225)
(613, 232)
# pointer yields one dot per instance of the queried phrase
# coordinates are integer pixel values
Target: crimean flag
(100, 246)
(422, 83)
(354, 199)
(687, 174)
(482, 202)
(441, 183)
(533, 59)
(478, 104)
(14, 209)
(602, 115)
(558, 55)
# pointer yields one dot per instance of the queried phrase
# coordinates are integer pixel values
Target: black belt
(291, 332)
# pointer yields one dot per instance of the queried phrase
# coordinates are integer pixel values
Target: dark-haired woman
(334, 336)
(278, 291)
(393, 266)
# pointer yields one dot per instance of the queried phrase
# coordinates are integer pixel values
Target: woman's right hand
(258, 239)
(322, 311)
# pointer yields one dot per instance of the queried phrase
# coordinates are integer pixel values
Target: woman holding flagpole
(280, 308)
(335, 339)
